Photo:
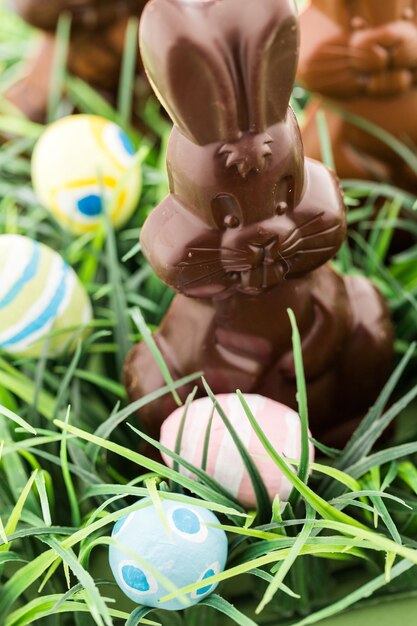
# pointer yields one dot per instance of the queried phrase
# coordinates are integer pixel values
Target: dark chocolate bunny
(98, 31)
(249, 224)
(362, 55)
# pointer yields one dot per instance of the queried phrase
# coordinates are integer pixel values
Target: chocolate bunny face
(236, 171)
(369, 47)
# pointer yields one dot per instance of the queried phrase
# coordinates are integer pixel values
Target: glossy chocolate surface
(249, 224)
(98, 32)
(361, 55)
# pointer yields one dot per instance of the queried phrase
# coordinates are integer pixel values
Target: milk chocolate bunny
(249, 224)
(96, 49)
(362, 55)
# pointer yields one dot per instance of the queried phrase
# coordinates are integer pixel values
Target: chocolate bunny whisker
(302, 238)
(301, 227)
(217, 250)
(201, 262)
(284, 262)
(204, 277)
(308, 251)
(249, 225)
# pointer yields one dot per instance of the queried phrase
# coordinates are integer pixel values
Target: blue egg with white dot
(180, 545)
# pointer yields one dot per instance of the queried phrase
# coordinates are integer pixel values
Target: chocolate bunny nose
(263, 252)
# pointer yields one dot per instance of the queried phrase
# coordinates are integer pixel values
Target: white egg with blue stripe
(42, 301)
(182, 547)
(83, 165)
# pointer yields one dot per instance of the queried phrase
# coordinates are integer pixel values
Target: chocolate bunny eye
(226, 211)
(282, 208)
(358, 22)
(231, 221)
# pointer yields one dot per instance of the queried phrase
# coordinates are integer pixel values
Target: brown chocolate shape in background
(249, 225)
(98, 31)
(361, 55)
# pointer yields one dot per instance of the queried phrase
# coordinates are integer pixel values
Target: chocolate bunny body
(98, 31)
(249, 224)
(362, 56)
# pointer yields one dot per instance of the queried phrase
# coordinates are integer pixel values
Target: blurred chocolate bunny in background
(98, 33)
(362, 56)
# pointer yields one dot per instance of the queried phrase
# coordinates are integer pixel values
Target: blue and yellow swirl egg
(156, 553)
(82, 166)
(40, 297)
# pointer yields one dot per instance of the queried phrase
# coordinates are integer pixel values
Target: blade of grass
(180, 433)
(24, 389)
(43, 496)
(380, 458)
(56, 86)
(325, 142)
(71, 493)
(141, 325)
(128, 71)
(407, 472)
(69, 373)
(117, 295)
(286, 565)
(353, 450)
(261, 493)
(99, 610)
(11, 415)
(137, 616)
(156, 500)
(192, 469)
(206, 444)
(105, 429)
(395, 144)
(303, 469)
(366, 591)
(223, 606)
(14, 518)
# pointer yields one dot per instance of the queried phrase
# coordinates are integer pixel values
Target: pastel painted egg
(190, 552)
(83, 165)
(39, 294)
(281, 425)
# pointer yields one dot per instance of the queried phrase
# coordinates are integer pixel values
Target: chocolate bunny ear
(221, 68)
(271, 44)
(185, 63)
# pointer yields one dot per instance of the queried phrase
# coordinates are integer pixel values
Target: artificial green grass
(70, 465)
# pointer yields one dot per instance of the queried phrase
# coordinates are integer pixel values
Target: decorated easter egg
(181, 547)
(39, 294)
(82, 166)
(280, 424)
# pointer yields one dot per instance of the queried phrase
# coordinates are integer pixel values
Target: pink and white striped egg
(280, 424)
